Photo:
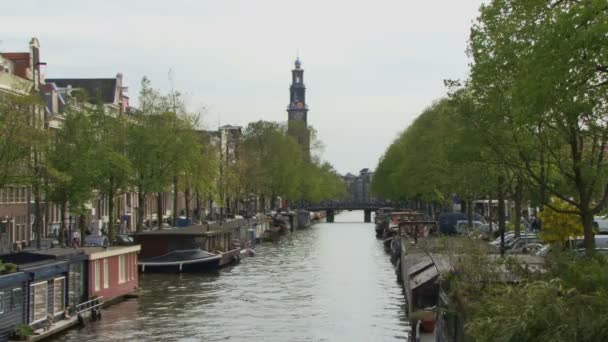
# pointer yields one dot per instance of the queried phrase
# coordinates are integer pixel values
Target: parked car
(527, 248)
(521, 240)
(123, 239)
(601, 241)
(478, 226)
(522, 247)
(510, 236)
(96, 241)
(447, 222)
(601, 224)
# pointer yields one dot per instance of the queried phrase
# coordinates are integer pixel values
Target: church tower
(297, 123)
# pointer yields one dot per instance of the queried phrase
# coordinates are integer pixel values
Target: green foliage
(112, 168)
(7, 268)
(538, 81)
(557, 225)
(17, 136)
(566, 303)
(22, 331)
(273, 164)
(435, 156)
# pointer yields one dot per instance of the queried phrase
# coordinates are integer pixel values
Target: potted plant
(427, 318)
(22, 332)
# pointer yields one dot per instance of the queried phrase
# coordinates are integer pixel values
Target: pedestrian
(76, 239)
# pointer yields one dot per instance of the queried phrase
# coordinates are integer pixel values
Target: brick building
(20, 75)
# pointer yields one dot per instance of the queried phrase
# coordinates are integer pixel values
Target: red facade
(112, 273)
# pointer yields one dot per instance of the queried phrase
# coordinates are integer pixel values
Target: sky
(371, 67)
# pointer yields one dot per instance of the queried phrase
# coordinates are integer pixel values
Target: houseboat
(191, 260)
(12, 303)
(194, 248)
(40, 298)
(112, 272)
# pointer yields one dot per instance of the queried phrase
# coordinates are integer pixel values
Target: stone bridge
(331, 207)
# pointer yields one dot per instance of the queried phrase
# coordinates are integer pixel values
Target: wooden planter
(428, 325)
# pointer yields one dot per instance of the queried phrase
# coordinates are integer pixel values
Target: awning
(424, 277)
(420, 266)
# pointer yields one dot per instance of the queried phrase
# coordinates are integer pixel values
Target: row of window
(126, 271)
(40, 291)
(13, 195)
(11, 300)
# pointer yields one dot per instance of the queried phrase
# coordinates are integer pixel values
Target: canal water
(330, 282)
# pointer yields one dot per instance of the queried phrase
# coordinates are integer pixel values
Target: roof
(11, 279)
(15, 84)
(198, 229)
(25, 258)
(420, 266)
(61, 253)
(103, 89)
(102, 252)
(38, 265)
(21, 62)
(194, 230)
(429, 274)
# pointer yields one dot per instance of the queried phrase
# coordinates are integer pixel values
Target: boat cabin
(12, 298)
(46, 287)
(112, 271)
(77, 272)
(399, 216)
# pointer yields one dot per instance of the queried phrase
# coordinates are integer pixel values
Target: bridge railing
(348, 205)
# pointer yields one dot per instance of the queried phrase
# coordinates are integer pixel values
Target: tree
(70, 164)
(557, 226)
(112, 167)
(539, 77)
(15, 136)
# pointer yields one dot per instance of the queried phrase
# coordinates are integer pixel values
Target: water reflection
(332, 282)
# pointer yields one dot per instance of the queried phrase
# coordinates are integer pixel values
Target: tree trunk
(501, 213)
(159, 209)
(587, 219)
(198, 207)
(37, 213)
(141, 200)
(469, 204)
(175, 202)
(111, 215)
(187, 198)
(62, 208)
(490, 212)
(519, 190)
(82, 225)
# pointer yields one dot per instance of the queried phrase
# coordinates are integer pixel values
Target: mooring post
(367, 216)
(330, 216)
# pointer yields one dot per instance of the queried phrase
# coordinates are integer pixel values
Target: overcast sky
(370, 66)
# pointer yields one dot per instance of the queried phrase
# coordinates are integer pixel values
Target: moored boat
(190, 260)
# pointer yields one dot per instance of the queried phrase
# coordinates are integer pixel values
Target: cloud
(370, 66)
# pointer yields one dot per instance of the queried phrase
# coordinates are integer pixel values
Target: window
(106, 274)
(97, 276)
(128, 267)
(59, 300)
(122, 269)
(1, 302)
(17, 300)
(40, 301)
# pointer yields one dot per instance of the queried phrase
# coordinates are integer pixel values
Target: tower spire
(297, 124)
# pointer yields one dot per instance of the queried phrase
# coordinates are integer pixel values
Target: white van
(601, 223)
